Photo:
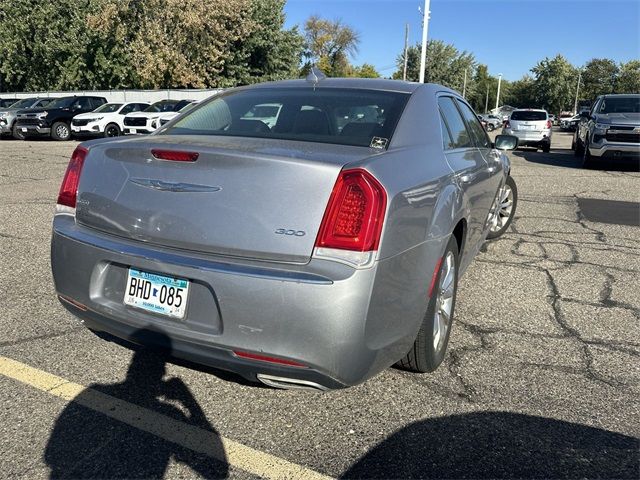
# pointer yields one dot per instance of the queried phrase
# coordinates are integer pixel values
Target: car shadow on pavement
(500, 445)
(94, 436)
(566, 159)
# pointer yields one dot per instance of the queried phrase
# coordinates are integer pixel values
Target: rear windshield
(528, 116)
(328, 115)
(620, 105)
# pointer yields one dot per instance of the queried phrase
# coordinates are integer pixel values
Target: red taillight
(175, 155)
(548, 124)
(355, 212)
(69, 187)
(265, 358)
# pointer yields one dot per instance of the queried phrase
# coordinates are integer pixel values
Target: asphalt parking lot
(541, 378)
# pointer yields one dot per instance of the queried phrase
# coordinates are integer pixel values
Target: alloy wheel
(444, 301)
(62, 131)
(502, 208)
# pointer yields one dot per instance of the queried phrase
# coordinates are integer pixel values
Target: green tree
(269, 52)
(598, 77)
(329, 44)
(555, 84)
(365, 70)
(629, 78)
(445, 65)
(486, 88)
(521, 93)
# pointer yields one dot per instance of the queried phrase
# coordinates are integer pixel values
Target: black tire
(587, 159)
(546, 148)
(17, 134)
(423, 356)
(511, 183)
(112, 130)
(60, 131)
(579, 147)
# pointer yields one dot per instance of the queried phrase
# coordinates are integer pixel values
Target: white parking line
(188, 436)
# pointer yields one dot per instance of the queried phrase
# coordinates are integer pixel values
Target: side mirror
(506, 142)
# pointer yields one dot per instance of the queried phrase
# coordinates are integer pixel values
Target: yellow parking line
(188, 436)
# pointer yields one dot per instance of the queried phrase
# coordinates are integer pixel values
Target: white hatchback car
(106, 120)
(532, 127)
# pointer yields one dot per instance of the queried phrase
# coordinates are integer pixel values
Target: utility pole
(575, 105)
(425, 29)
(406, 51)
(464, 85)
(498, 95)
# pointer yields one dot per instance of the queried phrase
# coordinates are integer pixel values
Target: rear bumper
(615, 150)
(345, 325)
(526, 138)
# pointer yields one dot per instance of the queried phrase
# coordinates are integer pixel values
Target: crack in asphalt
(543, 261)
(46, 336)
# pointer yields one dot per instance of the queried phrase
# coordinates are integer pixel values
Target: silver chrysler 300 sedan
(310, 253)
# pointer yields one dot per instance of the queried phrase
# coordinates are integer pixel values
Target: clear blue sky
(510, 36)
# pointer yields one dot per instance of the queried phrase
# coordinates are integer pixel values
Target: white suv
(532, 127)
(147, 121)
(106, 120)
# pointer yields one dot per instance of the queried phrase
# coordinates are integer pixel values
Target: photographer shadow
(136, 428)
(489, 445)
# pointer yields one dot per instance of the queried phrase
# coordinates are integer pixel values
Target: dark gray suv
(611, 130)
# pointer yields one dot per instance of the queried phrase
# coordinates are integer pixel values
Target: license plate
(132, 131)
(25, 129)
(156, 293)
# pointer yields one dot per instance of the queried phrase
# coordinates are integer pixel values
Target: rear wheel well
(460, 234)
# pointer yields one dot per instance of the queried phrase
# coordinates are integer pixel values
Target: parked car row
(84, 116)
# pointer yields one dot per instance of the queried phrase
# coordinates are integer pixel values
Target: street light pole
(406, 51)
(498, 95)
(425, 29)
(464, 85)
(486, 101)
(575, 105)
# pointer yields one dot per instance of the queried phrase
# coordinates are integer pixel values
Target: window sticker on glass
(379, 142)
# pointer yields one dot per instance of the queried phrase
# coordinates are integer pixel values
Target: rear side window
(460, 137)
(356, 117)
(479, 135)
(447, 143)
(528, 116)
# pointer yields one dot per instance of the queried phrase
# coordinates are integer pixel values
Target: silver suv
(610, 130)
(532, 127)
(8, 114)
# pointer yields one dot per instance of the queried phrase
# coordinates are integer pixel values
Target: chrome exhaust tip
(290, 383)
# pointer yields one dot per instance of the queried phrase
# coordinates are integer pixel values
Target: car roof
(529, 110)
(356, 83)
(621, 95)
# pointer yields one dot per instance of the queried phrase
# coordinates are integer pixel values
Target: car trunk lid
(245, 197)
